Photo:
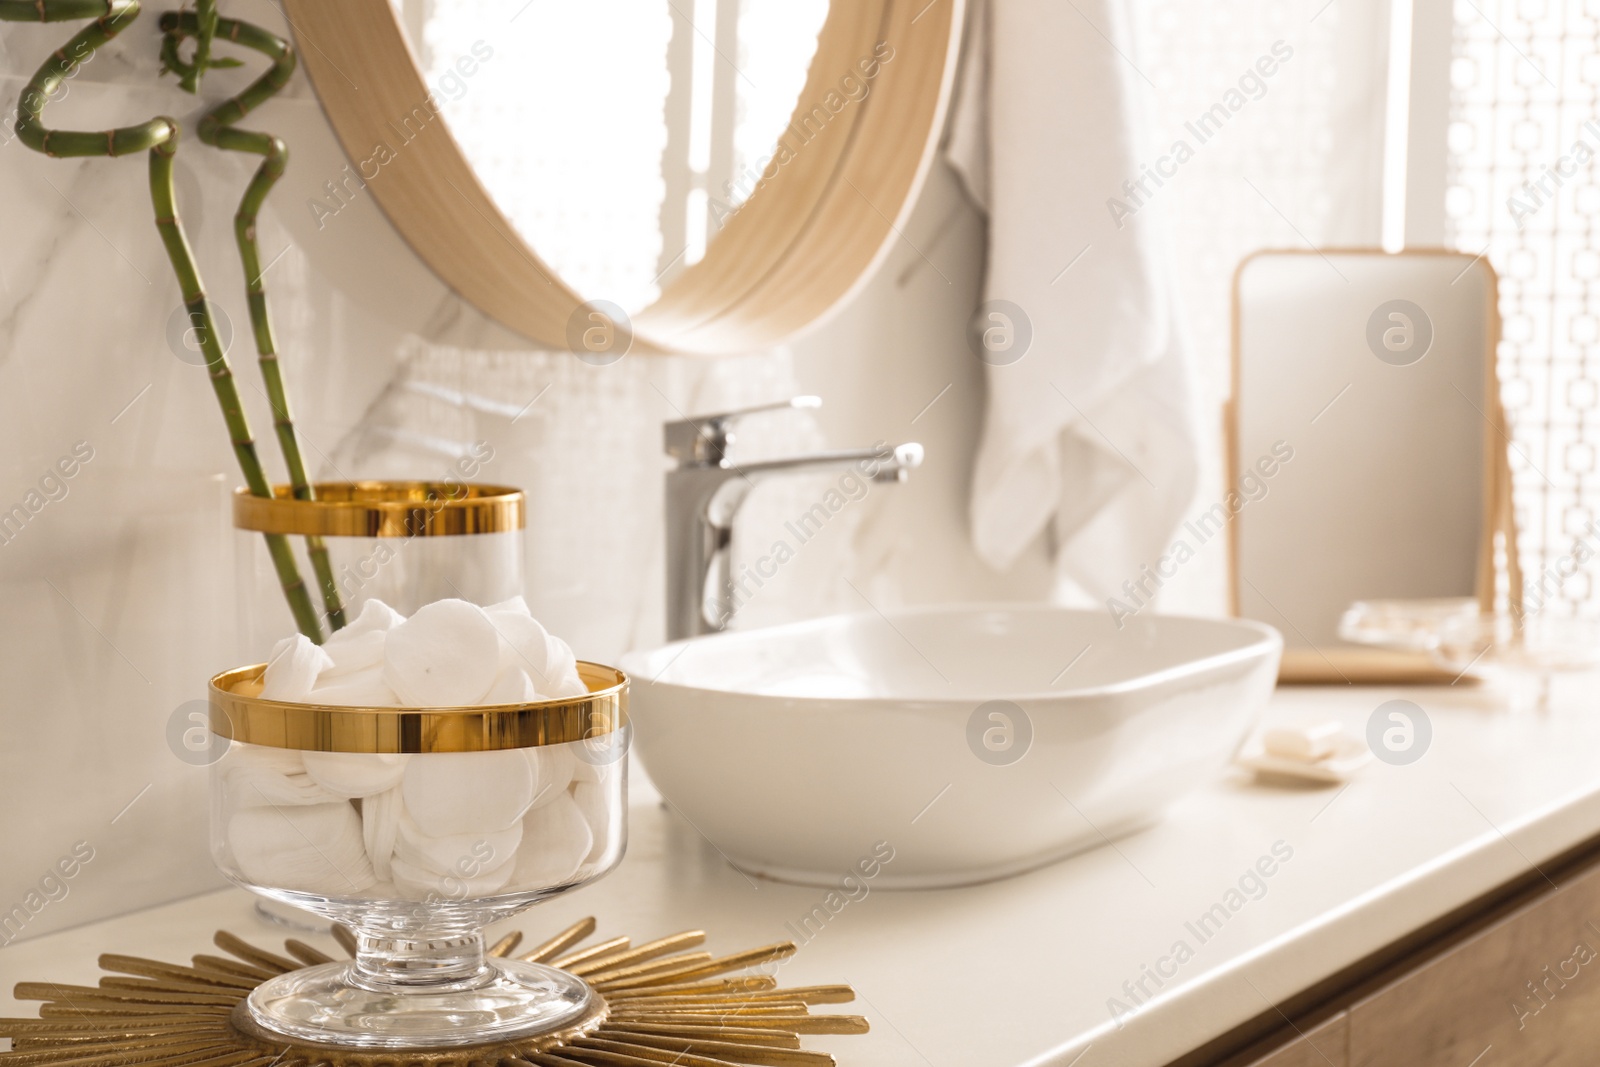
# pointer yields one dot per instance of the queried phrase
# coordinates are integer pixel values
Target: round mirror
(639, 175)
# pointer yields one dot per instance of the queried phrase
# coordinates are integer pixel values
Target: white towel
(1093, 427)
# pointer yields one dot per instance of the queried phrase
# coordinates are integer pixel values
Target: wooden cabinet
(1324, 1046)
(1527, 988)
(1513, 978)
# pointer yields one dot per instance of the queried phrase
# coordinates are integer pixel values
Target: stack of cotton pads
(450, 654)
(451, 826)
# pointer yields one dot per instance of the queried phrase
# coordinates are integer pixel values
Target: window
(616, 135)
(1523, 134)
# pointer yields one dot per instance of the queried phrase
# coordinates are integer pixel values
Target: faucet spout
(882, 465)
(704, 493)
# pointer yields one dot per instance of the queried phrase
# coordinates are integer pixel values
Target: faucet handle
(704, 439)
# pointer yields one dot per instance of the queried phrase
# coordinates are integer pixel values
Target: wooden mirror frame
(802, 243)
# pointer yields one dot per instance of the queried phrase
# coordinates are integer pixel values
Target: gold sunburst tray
(653, 1004)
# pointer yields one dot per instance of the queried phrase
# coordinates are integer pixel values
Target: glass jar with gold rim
(415, 827)
(407, 543)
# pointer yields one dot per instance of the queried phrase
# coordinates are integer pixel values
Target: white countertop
(1021, 970)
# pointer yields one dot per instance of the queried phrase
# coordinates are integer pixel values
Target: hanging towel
(1091, 429)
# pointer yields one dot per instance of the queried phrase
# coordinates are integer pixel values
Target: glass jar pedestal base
(330, 1005)
(291, 917)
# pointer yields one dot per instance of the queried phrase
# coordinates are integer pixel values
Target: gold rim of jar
(240, 714)
(383, 509)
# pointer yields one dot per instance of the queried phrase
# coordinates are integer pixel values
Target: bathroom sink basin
(965, 742)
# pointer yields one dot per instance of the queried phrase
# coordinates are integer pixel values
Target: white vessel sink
(806, 750)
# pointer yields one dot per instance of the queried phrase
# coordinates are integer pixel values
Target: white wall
(116, 601)
(894, 364)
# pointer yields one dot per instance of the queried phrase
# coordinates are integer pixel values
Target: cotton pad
(358, 653)
(418, 884)
(561, 671)
(524, 644)
(460, 854)
(555, 839)
(292, 671)
(316, 849)
(360, 644)
(355, 774)
(380, 826)
(260, 776)
(467, 792)
(553, 767)
(361, 689)
(376, 616)
(512, 687)
(262, 758)
(446, 655)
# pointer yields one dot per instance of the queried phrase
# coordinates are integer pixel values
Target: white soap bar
(316, 849)
(446, 655)
(555, 839)
(1305, 744)
(292, 671)
(355, 774)
(467, 792)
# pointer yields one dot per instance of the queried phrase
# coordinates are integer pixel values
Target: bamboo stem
(159, 137)
(111, 17)
(216, 129)
(179, 254)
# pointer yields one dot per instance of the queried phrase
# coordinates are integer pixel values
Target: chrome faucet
(705, 491)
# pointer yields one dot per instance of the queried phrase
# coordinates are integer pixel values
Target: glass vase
(405, 543)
